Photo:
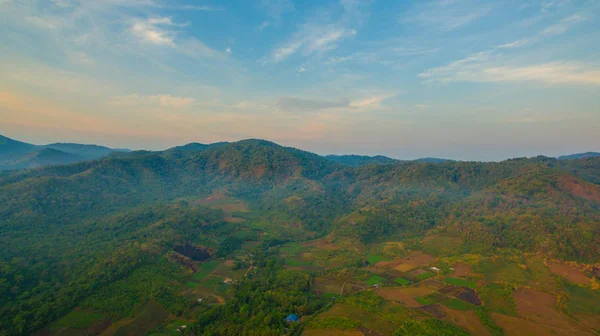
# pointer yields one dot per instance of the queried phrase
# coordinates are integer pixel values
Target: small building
(292, 318)
(435, 269)
(228, 281)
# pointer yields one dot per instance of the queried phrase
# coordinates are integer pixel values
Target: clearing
(467, 320)
(569, 272)
(406, 296)
(462, 270)
(540, 308)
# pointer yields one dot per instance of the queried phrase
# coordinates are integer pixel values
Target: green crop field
(426, 275)
(297, 263)
(430, 299)
(457, 304)
(77, 319)
(402, 281)
(498, 298)
(461, 282)
(375, 280)
(374, 258)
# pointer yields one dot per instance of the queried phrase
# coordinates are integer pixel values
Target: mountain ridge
(89, 224)
(16, 154)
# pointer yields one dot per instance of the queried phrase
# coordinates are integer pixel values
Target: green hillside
(232, 238)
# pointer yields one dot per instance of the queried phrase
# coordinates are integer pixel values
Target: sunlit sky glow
(463, 79)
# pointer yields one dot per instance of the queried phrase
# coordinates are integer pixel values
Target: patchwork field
(462, 270)
(467, 320)
(406, 296)
(415, 259)
(371, 323)
(569, 272)
(514, 326)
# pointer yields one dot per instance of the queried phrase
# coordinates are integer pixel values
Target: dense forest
(113, 234)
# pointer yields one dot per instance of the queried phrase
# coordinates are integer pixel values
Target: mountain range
(16, 155)
(21, 155)
(120, 236)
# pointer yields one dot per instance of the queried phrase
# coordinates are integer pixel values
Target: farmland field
(461, 282)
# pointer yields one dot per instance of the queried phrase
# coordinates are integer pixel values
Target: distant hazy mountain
(578, 156)
(361, 160)
(21, 155)
(86, 151)
(432, 160)
(11, 149)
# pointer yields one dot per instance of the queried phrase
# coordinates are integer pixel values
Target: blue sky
(465, 79)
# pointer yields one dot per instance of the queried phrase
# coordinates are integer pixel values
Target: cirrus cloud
(163, 100)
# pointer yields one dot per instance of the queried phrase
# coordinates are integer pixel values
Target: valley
(235, 238)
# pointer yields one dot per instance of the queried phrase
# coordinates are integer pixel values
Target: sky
(461, 79)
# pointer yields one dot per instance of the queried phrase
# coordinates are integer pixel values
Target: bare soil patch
(589, 320)
(435, 310)
(515, 326)
(467, 320)
(231, 207)
(230, 219)
(462, 270)
(463, 293)
(369, 332)
(540, 308)
(470, 296)
(332, 332)
(432, 283)
(569, 272)
(211, 199)
(98, 327)
(417, 272)
(404, 295)
(413, 260)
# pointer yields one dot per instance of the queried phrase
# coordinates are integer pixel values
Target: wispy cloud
(515, 44)
(313, 39)
(561, 27)
(387, 56)
(80, 57)
(155, 30)
(446, 15)
(294, 104)
(320, 35)
(479, 68)
(163, 100)
(203, 8)
(274, 10)
(42, 22)
(371, 102)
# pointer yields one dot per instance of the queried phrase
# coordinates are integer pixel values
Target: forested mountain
(20, 155)
(579, 156)
(361, 160)
(114, 235)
